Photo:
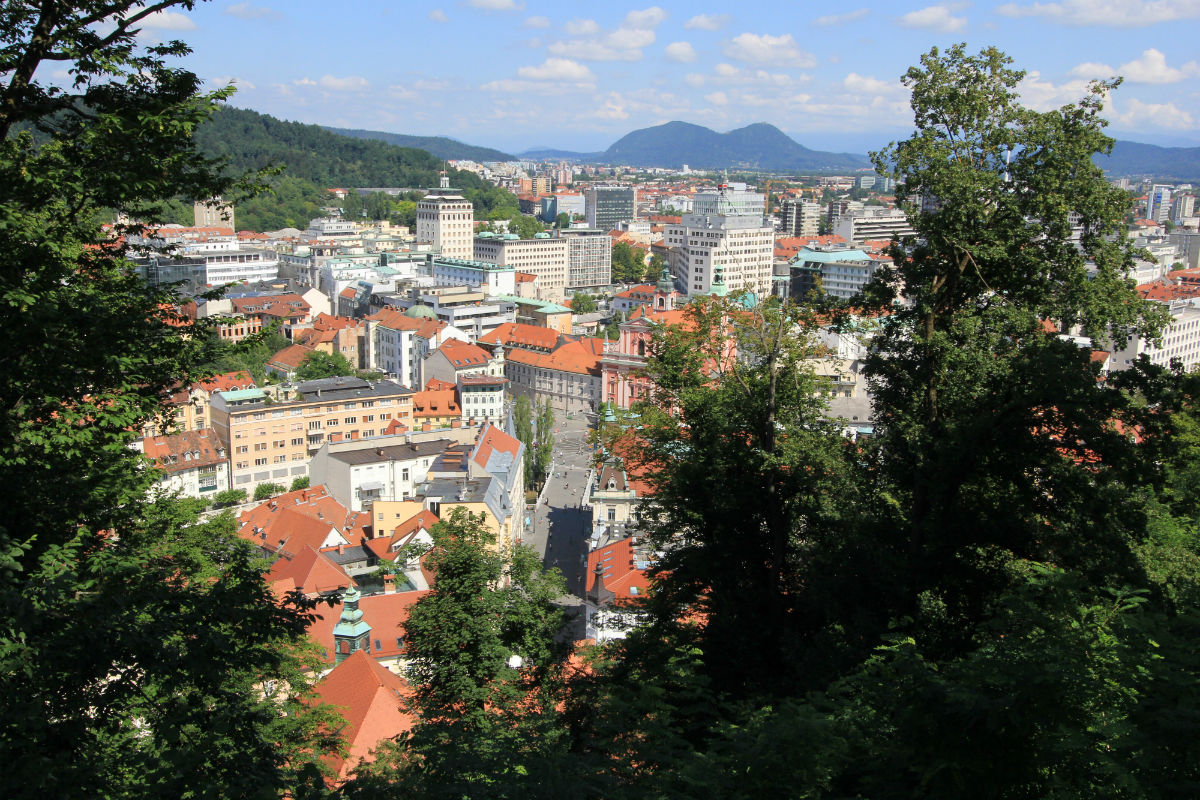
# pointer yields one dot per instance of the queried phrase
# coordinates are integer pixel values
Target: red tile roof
(311, 572)
(580, 356)
(620, 571)
(385, 613)
(183, 451)
(279, 305)
(491, 440)
(370, 698)
(227, 382)
(306, 517)
(434, 384)
(463, 355)
(290, 357)
(435, 403)
(512, 334)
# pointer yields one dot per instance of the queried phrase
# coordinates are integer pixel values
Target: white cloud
(166, 21)
(497, 5)
(1152, 68)
(592, 51)
(779, 51)
(511, 86)
(558, 69)
(582, 27)
(726, 70)
(717, 98)
(707, 22)
(1042, 95)
(350, 83)
(537, 22)
(437, 15)
(864, 84)
(231, 80)
(1112, 13)
(1092, 70)
(629, 38)
(939, 18)
(694, 79)
(1144, 116)
(683, 52)
(247, 11)
(646, 18)
(840, 19)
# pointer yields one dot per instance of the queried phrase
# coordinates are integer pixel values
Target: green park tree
(583, 304)
(485, 665)
(265, 491)
(324, 365)
(136, 641)
(994, 595)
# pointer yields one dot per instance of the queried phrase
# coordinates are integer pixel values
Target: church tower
(352, 633)
(665, 294)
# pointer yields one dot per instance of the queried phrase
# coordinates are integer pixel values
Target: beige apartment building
(273, 441)
(543, 256)
(446, 219)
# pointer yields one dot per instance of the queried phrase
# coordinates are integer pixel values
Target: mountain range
(441, 146)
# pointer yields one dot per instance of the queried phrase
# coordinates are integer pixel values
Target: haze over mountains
(757, 147)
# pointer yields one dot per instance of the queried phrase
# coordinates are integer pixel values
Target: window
(399, 641)
(243, 448)
(314, 425)
(260, 462)
(351, 420)
(260, 446)
(298, 441)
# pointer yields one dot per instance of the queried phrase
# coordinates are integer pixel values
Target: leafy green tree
(563, 220)
(544, 451)
(583, 304)
(655, 268)
(627, 262)
(229, 497)
(318, 364)
(136, 642)
(299, 483)
(523, 426)
(352, 206)
(265, 491)
(485, 663)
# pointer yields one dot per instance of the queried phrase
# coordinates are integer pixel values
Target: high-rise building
(865, 224)
(801, 217)
(589, 257)
(446, 219)
(1158, 203)
(213, 214)
(543, 256)
(1184, 205)
(726, 230)
(605, 206)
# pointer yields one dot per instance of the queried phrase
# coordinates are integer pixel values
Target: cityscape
(600, 439)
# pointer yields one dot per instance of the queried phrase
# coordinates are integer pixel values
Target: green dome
(421, 311)
(666, 284)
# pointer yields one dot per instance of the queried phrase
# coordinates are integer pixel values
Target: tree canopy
(137, 642)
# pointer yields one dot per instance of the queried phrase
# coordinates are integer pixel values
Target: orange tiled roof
(183, 451)
(290, 357)
(492, 439)
(463, 354)
(311, 572)
(515, 334)
(435, 403)
(227, 382)
(581, 356)
(369, 697)
(385, 613)
(620, 574)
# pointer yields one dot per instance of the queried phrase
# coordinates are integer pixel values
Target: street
(560, 527)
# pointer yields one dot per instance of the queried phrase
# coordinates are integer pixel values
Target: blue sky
(514, 74)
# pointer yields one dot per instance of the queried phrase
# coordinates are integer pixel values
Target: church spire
(352, 633)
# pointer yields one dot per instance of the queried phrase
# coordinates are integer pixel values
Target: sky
(519, 74)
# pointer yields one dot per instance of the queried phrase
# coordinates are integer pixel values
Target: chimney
(389, 584)
(341, 548)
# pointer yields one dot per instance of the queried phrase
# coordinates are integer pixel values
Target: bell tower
(352, 633)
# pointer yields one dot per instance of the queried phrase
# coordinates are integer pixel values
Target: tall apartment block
(589, 257)
(801, 217)
(1158, 203)
(543, 256)
(605, 206)
(447, 220)
(726, 229)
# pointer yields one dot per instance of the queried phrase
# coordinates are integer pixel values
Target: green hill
(314, 160)
(759, 146)
(1134, 159)
(440, 146)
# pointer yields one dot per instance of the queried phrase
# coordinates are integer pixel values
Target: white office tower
(801, 217)
(1158, 203)
(726, 229)
(446, 220)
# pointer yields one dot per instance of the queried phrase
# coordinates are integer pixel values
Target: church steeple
(718, 283)
(665, 293)
(352, 633)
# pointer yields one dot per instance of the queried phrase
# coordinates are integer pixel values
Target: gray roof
(348, 388)
(396, 452)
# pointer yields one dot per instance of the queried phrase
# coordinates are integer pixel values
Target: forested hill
(1130, 159)
(758, 146)
(314, 160)
(440, 146)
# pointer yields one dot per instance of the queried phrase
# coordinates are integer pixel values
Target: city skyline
(519, 74)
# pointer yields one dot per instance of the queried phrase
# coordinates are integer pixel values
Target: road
(560, 527)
